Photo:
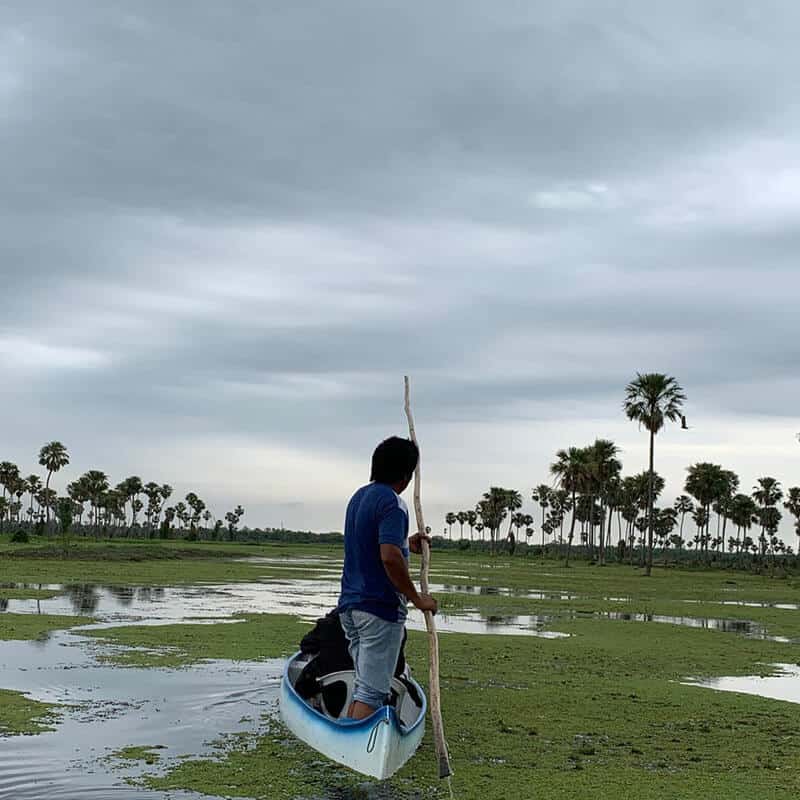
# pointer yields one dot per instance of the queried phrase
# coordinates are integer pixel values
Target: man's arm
(397, 570)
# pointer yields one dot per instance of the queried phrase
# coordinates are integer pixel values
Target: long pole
(433, 640)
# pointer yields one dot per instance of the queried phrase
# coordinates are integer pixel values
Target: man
(375, 582)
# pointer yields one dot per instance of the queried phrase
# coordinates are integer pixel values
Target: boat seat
(400, 694)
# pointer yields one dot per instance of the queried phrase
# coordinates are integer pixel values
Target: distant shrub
(20, 537)
(191, 536)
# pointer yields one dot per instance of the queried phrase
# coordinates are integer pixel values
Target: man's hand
(415, 542)
(425, 602)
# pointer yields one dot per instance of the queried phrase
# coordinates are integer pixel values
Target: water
(307, 599)
(741, 626)
(312, 598)
(110, 708)
(784, 686)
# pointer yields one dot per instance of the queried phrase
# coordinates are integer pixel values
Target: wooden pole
(433, 640)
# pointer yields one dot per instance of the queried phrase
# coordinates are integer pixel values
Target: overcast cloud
(228, 230)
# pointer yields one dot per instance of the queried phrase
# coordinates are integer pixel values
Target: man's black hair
(394, 460)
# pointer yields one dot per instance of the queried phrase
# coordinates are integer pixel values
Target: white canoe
(376, 746)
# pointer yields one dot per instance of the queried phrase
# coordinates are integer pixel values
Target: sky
(228, 230)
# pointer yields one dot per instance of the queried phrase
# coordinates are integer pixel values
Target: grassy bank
(148, 563)
(24, 627)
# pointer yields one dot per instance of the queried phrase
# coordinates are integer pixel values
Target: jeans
(374, 647)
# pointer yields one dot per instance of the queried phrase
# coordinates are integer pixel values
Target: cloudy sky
(228, 230)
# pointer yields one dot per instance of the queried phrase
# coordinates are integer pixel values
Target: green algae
(602, 713)
(251, 637)
(24, 627)
(20, 715)
(146, 753)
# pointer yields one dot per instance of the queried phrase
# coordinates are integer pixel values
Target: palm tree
(650, 400)
(492, 510)
(513, 502)
(541, 495)
(792, 505)
(450, 520)
(96, 484)
(9, 473)
(606, 467)
(461, 518)
(53, 456)
(767, 493)
(683, 506)
(472, 518)
(706, 482)
(33, 484)
(571, 469)
(479, 528)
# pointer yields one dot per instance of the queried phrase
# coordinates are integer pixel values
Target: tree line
(590, 491)
(93, 505)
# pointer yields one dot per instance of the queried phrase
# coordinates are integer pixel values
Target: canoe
(376, 746)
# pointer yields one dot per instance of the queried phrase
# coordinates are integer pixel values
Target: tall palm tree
(606, 467)
(461, 518)
(4, 510)
(9, 473)
(767, 493)
(32, 484)
(683, 506)
(513, 502)
(96, 485)
(792, 505)
(651, 399)
(706, 482)
(492, 510)
(53, 456)
(541, 495)
(571, 469)
(450, 520)
(472, 518)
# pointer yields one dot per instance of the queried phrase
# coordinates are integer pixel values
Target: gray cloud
(244, 225)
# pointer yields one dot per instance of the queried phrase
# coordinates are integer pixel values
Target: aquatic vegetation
(22, 715)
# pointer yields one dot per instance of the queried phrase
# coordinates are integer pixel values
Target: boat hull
(376, 746)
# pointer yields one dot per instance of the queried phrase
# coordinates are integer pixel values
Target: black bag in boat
(326, 640)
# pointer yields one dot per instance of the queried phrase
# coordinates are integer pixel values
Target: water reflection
(783, 686)
(310, 599)
(502, 591)
(106, 708)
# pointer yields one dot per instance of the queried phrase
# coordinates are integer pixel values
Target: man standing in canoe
(376, 585)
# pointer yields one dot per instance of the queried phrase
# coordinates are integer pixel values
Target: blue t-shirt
(376, 515)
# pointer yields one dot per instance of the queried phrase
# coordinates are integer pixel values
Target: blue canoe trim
(360, 725)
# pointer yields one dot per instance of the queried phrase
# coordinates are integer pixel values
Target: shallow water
(312, 598)
(308, 599)
(785, 686)
(110, 708)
